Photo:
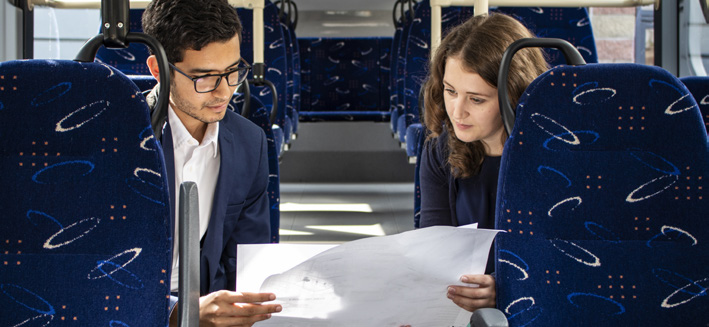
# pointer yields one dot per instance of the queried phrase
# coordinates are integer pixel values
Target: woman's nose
(458, 109)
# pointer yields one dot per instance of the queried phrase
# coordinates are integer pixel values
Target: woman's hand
(479, 294)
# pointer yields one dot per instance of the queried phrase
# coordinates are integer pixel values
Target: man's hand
(481, 294)
(225, 308)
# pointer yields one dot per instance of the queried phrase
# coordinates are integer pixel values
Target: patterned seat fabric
(396, 46)
(86, 218)
(293, 79)
(570, 24)
(345, 79)
(602, 194)
(699, 86)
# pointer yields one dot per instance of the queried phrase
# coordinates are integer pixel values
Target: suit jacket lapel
(213, 238)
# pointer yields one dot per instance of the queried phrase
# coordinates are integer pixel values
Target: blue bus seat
(601, 197)
(344, 79)
(393, 69)
(406, 10)
(699, 87)
(570, 24)
(293, 75)
(86, 216)
(398, 69)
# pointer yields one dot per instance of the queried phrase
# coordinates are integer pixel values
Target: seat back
(398, 66)
(699, 86)
(570, 24)
(293, 80)
(601, 193)
(86, 218)
(345, 79)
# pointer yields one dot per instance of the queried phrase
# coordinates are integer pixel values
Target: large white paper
(379, 281)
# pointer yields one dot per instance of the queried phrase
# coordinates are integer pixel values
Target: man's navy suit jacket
(240, 212)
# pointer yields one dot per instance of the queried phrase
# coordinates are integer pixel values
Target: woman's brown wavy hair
(479, 43)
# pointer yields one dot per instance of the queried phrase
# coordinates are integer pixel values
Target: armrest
(488, 317)
(188, 304)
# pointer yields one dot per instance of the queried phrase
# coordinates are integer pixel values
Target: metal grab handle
(246, 91)
(393, 14)
(571, 54)
(400, 5)
(705, 9)
(294, 21)
(292, 14)
(274, 96)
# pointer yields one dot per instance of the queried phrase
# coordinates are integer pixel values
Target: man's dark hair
(181, 25)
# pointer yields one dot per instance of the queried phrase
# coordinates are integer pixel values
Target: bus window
(694, 41)
(60, 33)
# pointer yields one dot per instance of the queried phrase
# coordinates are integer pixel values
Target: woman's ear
(152, 63)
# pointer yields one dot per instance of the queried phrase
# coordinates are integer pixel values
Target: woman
(461, 157)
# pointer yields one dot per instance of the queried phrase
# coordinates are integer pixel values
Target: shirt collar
(182, 137)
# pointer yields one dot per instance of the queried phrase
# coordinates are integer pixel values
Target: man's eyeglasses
(210, 82)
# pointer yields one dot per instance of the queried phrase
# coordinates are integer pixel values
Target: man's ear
(153, 66)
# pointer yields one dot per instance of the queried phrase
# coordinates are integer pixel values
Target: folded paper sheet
(379, 281)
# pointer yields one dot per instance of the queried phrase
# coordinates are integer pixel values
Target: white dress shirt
(194, 162)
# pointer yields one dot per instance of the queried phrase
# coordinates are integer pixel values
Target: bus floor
(342, 181)
(336, 213)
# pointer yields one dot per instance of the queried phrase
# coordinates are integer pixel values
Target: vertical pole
(435, 28)
(481, 7)
(27, 29)
(258, 34)
(667, 36)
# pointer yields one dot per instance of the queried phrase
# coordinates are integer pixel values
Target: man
(204, 142)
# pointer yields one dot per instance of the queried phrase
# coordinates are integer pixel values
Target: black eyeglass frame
(225, 75)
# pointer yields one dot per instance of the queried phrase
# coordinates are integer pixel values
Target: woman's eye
(450, 92)
(476, 100)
